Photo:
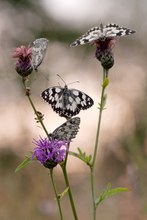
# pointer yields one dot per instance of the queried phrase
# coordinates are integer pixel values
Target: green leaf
(108, 192)
(23, 164)
(82, 156)
(61, 195)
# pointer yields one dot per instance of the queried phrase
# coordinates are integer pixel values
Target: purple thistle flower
(50, 152)
(23, 64)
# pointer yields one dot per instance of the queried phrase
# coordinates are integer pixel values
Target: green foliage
(108, 192)
(25, 163)
(82, 156)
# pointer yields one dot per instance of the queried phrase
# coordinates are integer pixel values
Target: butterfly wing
(54, 96)
(80, 99)
(67, 131)
(67, 102)
(113, 30)
(39, 47)
(102, 32)
(90, 36)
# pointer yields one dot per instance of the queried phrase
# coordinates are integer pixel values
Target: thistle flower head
(104, 52)
(50, 152)
(23, 64)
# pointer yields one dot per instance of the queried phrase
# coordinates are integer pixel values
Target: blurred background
(122, 155)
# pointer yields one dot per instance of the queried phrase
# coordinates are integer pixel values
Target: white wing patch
(101, 33)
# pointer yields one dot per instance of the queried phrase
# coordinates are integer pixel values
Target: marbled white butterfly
(101, 33)
(66, 102)
(39, 47)
(67, 131)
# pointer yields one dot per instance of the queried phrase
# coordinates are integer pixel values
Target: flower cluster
(23, 64)
(50, 152)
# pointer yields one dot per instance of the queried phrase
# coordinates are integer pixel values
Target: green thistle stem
(63, 166)
(92, 167)
(56, 194)
(35, 111)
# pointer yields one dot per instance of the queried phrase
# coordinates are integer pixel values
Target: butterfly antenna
(61, 78)
(65, 82)
(73, 82)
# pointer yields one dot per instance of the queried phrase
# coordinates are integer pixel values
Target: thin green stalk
(35, 111)
(93, 192)
(101, 108)
(38, 118)
(56, 194)
(63, 166)
(92, 168)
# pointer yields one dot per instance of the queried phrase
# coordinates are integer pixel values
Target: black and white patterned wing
(39, 47)
(101, 33)
(67, 102)
(79, 99)
(54, 96)
(113, 30)
(90, 36)
(67, 131)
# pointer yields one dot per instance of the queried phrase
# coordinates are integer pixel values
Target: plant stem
(35, 111)
(63, 166)
(101, 108)
(93, 192)
(92, 167)
(38, 118)
(56, 194)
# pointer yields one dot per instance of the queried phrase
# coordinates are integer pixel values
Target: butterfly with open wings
(66, 102)
(101, 33)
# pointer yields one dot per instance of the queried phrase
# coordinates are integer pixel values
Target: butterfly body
(67, 131)
(39, 47)
(66, 102)
(100, 33)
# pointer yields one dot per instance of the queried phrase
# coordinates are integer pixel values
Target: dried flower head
(50, 152)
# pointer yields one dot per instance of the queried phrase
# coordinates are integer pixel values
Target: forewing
(113, 30)
(89, 37)
(53, 95)
(67, 131)
(39, 48)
